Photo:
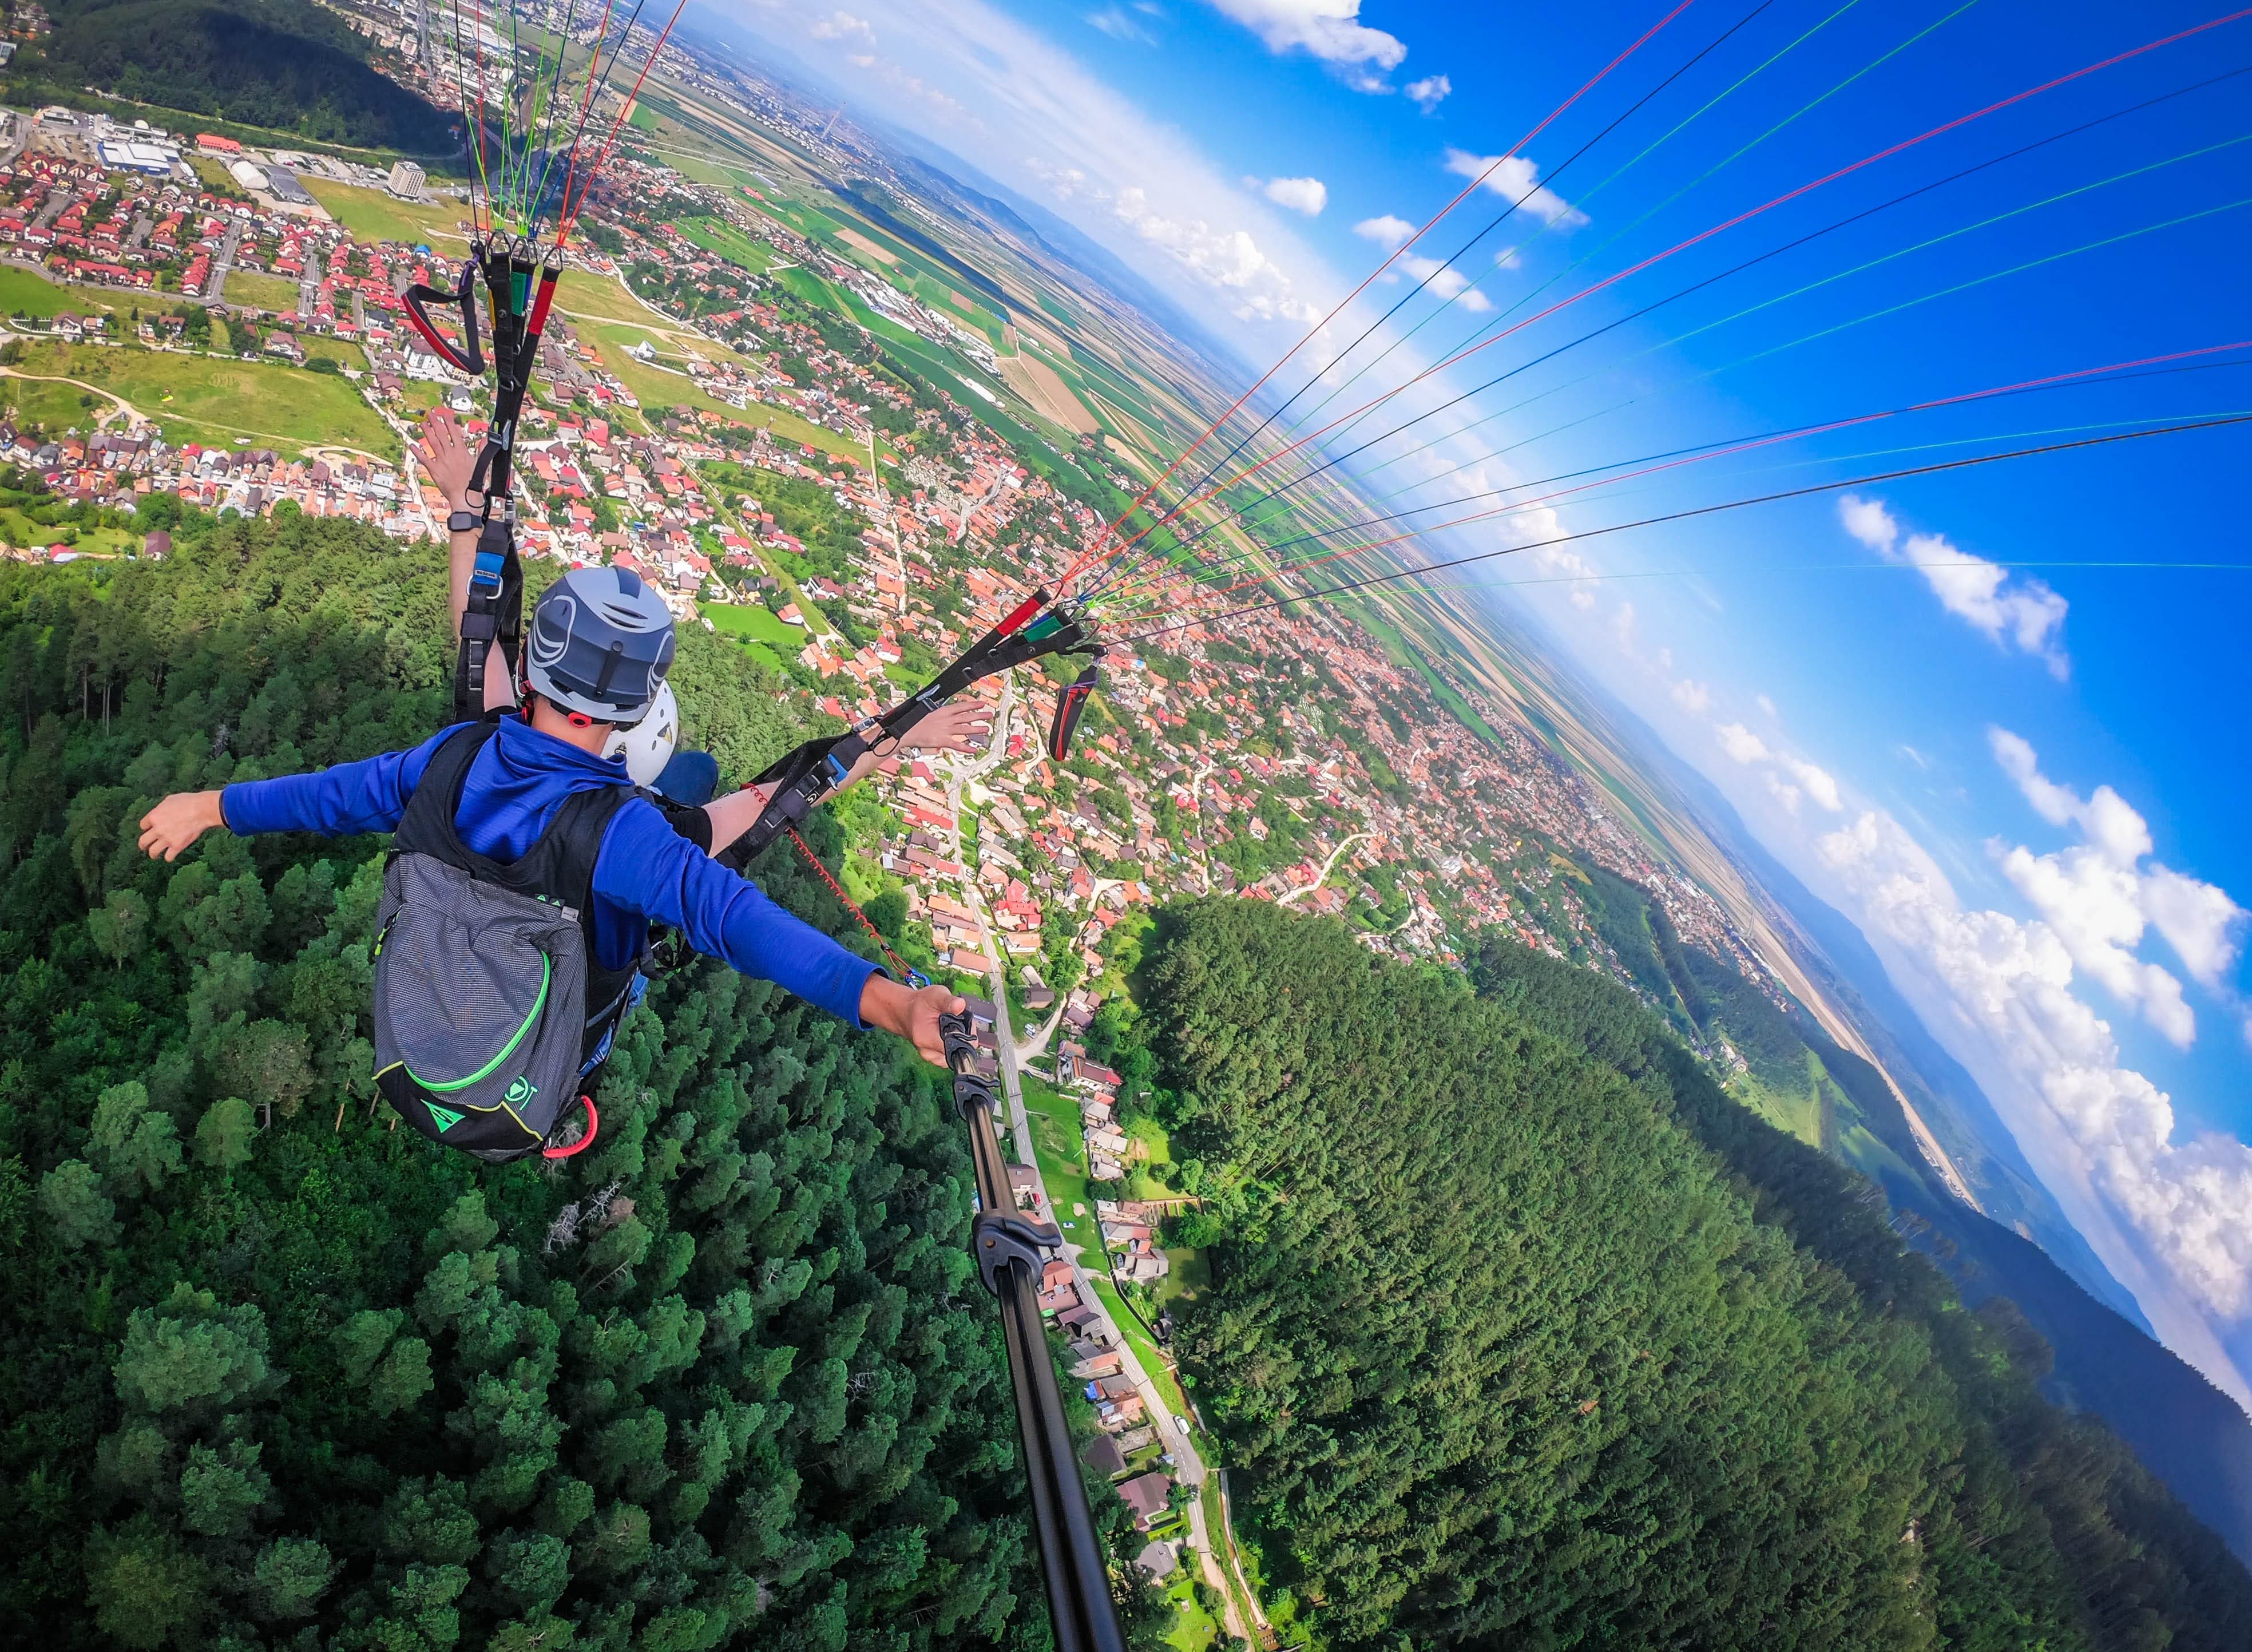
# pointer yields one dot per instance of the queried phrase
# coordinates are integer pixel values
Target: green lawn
(254, 290)
(373, 216)
(718, 235)
(753, 622)
(197, 398)
(34, 295)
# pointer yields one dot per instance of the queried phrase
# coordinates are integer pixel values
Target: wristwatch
(465, 522)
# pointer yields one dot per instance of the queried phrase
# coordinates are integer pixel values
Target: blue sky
(2025, 783)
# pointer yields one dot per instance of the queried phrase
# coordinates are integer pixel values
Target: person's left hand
(966, 725)
(446, 452)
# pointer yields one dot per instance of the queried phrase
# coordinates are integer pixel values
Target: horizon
(2032, 826)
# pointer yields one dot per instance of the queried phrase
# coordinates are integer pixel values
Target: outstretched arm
(449, 454)
(963, 727)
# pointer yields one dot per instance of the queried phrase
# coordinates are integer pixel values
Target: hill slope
(1524, 1332)
(290, 68)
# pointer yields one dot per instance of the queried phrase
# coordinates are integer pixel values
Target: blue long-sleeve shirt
(645, 870)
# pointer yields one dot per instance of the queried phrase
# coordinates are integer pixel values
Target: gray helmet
(599, 642)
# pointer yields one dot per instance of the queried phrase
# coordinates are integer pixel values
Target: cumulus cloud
(2099, 899)
(1741, 743)
(1692, 695)
(2021, 613)
(1307, 195)
(841, 25)
(1430, 92)
(1227, 260)
(1444, 280)
(1516, 179)
(2010, 980)
(1385, 230)
(1328, 29)
(1817, 783)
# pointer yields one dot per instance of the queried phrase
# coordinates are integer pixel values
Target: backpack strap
(559, 865)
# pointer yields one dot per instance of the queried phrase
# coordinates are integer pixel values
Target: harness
(801, 779)
(520, 277)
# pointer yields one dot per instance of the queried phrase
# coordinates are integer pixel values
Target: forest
(264, 63)
(1523, 1333)
(274, 1373)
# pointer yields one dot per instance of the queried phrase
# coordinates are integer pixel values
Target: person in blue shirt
(598, 646)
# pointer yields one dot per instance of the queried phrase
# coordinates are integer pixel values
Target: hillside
(1522, 1332)
(273, 1373)
(289, 68)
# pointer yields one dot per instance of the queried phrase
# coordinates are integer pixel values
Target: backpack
(485, 970)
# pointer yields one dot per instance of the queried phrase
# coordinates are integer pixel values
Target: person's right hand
(446, 453)
(168, 829)
(965, 725)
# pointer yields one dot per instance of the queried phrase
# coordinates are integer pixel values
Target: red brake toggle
(593, 1123)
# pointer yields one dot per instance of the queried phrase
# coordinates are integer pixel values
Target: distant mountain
(2186, 1431)
(1942, 1091)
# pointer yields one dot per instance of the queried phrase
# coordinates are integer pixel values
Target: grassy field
(196, 398)
(55, 407)
(718, 235)
(753, 622)
(582, 293)
(251, 289)
(24, 292)
(373, 216)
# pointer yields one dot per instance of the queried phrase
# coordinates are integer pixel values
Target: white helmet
(647, 746)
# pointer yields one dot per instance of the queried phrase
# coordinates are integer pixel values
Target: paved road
(223, 262)
(1188, 1466)
(1328, 865)
(309, 286)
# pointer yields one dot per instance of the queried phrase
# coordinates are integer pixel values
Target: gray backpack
(489, 1005)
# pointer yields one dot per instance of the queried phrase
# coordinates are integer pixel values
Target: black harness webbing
(519, 282)
(802, 778)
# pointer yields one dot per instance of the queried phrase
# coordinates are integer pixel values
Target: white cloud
(1913, 756)
(1114, 22)
(1817, 783)
(1692, 695)
(1427, 93)
(1385, 230)
(1444, 280)
(1741, 743)
(1764, 704)
(1228, 260)
(2099, 900)
(2199, 921)
(2009, 980)
(2024, 613)
(1584, 600)
(841, 25)
(1515, 178)
(1307, 195)
(1328, 30)
(2107, 819)
(1785, 793)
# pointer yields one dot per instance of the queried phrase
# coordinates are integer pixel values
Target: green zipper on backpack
(547, 969)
